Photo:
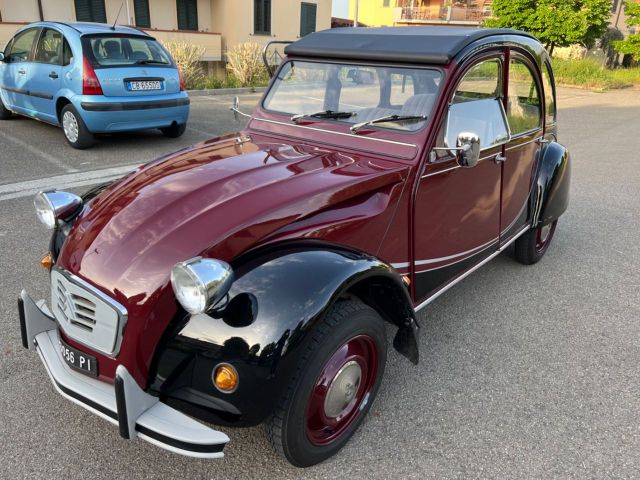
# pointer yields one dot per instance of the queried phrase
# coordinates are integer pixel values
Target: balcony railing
(437, 13)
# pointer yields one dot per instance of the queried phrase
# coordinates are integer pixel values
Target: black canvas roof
(399, 44)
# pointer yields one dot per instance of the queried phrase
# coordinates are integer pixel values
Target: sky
(340, 8)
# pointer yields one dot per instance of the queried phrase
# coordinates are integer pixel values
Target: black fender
(550, 193)
(278, 297)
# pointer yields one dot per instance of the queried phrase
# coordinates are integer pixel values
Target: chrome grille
(86, 314)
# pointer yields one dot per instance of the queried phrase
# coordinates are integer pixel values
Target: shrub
(244, 63)
(187, 56)
(590, 73)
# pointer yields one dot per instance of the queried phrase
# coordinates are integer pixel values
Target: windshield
(121, 51)
(366, 92)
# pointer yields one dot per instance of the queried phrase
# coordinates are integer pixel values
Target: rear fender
(550, 195)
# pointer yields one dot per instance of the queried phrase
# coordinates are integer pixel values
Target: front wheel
(174, 131)
(75, 131)
(531, 246)
(336, 382)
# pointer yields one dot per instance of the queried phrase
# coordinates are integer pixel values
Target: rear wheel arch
(61, 102)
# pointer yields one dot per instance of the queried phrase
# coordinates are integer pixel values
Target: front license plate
(144, 85)
(78, 360)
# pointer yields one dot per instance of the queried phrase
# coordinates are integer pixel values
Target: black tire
(531, 246)
(5, 114)
(83, 138)
(347, 323)
(174, 131)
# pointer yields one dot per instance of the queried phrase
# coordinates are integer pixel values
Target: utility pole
(355, 14)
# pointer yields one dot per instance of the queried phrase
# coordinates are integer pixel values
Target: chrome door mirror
(467, 149)
(1, 57)
(235, 108)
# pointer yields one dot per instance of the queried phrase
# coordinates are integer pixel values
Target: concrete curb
(225, 91)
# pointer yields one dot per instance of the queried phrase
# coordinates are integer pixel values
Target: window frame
(92, 19)
(147, 11)
(12, 42)
(524, 59)
(552, 82)
(498, 55)
(195, 5)
(314, 6)
(60, 48)
(262, 31)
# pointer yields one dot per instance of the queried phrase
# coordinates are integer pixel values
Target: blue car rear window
(122, 51)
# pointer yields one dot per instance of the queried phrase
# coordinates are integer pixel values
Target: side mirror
(467, 149)
(235, 108)
(1, 57)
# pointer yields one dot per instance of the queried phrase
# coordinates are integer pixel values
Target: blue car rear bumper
(120, 114)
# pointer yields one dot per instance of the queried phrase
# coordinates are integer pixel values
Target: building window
(385, 3)
(262, 17)
(141, 11)
(90, 11)
(187, 14)
(307, 18)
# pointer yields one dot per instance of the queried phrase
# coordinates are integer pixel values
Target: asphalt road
(526, 372)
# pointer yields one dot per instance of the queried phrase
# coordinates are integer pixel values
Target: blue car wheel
(75, 131)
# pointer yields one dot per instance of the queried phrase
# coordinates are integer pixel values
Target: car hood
(217, 199)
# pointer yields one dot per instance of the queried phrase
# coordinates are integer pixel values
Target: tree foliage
(631, 45)
(554, 22)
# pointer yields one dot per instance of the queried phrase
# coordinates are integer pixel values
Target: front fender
(551, 193)
(277, 298)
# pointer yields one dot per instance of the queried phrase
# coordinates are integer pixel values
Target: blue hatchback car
(92, 78)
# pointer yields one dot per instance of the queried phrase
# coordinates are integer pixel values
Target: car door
(457, 209)
(15, 74)
(45, 74)
(524, 114)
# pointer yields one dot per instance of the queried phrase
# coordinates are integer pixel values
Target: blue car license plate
(144, 85)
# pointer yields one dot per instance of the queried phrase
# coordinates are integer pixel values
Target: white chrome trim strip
(470, 271)
(350, 135)
(401, 265)
(456, 255)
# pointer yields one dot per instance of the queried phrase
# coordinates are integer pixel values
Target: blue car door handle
(22, 71)
(53, 75)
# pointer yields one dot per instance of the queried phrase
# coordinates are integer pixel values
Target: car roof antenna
(113, 27)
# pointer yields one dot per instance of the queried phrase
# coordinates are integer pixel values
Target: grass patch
(591, 74)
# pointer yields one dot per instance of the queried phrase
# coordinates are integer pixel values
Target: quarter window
(524, 110)
(21, 46)
(476, 108)
(187, 14)
(49, 47)
(549, 97)
(90, 11)
(67, 53)
(262, 17)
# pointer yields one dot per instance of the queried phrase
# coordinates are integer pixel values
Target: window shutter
(90, 11)
(262, 16)
(141, 12)
(187, 14)
(267, 16)
(307, 18)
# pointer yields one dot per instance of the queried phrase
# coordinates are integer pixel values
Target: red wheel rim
(544, 235)
(342, 390)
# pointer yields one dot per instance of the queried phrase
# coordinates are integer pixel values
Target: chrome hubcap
(70, 126)
(343, 389)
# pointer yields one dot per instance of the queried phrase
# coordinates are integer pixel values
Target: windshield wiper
(322, 114)
(154, 62)
(385, 119)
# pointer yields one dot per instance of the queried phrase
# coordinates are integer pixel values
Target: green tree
(555, 22)
(631, 45)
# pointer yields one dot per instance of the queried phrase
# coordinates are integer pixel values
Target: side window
(524, 110)
(476, 108)
(67, 54)
(49, 47)
(549, 97)
(21, 46)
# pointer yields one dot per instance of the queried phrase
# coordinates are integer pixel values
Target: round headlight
(200, 283)
(53, 206)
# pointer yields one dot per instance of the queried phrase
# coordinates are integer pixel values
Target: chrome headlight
(200, 283)
(55, 206)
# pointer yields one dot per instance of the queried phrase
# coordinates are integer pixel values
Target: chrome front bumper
(125, 404)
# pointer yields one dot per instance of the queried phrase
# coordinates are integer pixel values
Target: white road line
(43, 155)
(70, 180)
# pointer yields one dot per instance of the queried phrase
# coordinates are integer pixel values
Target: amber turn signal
(225, 378)
(47, 261)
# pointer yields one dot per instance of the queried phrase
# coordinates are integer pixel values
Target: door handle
(22, 71)
(500, 158)
(53, 75)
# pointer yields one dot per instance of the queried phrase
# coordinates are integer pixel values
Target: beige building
(215, 24)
